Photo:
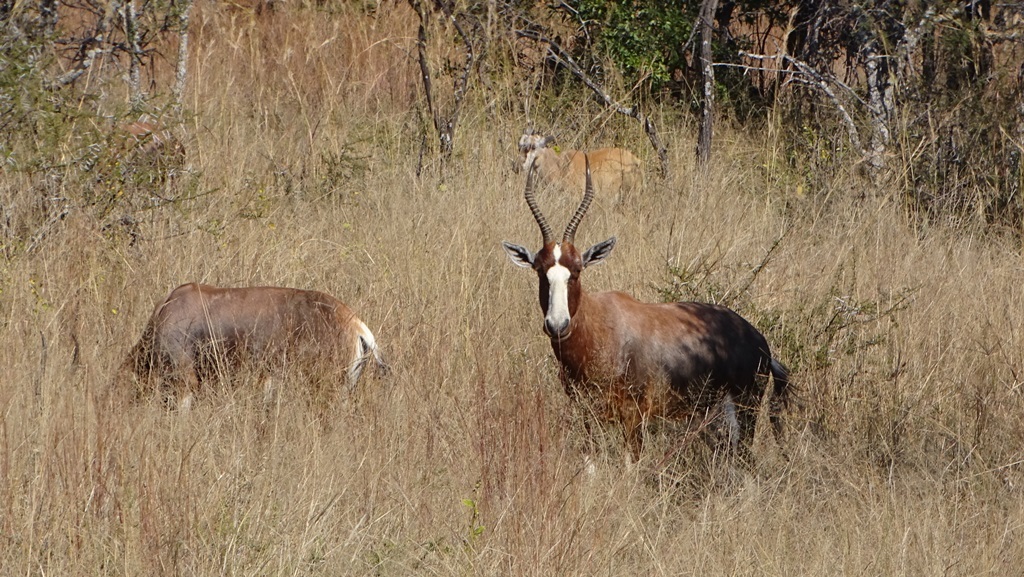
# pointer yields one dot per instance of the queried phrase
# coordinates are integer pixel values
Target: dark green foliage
(642, 37)
(656, 41)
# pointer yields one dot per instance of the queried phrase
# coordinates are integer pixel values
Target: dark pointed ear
(598, 252)
(519, 255)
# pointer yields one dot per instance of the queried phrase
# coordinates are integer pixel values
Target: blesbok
(201, 332)
(640, 360)
(615, 170)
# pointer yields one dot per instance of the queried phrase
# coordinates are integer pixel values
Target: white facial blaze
(558, 292)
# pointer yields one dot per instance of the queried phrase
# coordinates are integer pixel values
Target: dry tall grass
(906, 344)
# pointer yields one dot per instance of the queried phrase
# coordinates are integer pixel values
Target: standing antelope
(199, 331)
(641, 360)
(615, 170)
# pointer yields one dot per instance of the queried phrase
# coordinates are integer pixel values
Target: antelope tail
(780, 394)
(780, 374)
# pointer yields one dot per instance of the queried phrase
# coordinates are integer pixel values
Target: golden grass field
(902, 455)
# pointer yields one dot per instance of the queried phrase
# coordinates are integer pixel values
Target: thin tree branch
(631, 111)
(808, 76)
(577, 71)
(89, 49)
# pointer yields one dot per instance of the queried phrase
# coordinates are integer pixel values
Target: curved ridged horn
(545, 230)
(588, 196)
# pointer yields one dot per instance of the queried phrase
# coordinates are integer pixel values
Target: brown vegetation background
(902, 456)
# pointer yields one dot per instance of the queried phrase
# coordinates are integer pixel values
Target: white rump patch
(366, 347)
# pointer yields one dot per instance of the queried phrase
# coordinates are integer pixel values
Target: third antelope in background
(616, 171)
(638, 360)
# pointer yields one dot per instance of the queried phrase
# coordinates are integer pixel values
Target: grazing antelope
(615, 170)
(148, 139)
(201, 331)
(641, 360)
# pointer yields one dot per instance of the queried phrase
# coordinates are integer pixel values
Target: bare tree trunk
(492, 20)
(707, 114)
(445, 126)
(907, 56)
(1016, 175)
(428, 85)
(131, 32)
(880, 103)
(181, 71)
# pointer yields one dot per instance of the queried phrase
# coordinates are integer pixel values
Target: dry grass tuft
(901, 458)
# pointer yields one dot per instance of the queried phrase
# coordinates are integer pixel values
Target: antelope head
(559, 265)
(530, 145)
